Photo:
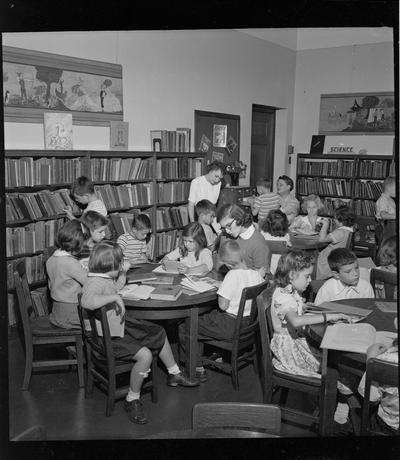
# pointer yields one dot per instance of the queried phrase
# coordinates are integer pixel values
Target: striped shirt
(135, 251)
(265, 203)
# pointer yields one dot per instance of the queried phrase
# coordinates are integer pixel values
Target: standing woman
(238, 224)
(206, 187)
(289, 203)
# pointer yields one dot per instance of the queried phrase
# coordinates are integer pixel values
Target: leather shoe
(181, 379)
(135, 411)
(342, 429)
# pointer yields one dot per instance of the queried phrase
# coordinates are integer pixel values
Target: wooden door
(262, 143)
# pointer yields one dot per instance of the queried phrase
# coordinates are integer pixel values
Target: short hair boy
(82, 191)
(345, 282)
(386, 210)
(205, 211)
(266, 200)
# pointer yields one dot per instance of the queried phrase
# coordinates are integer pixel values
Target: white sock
(132, 395)
(174, 370)
(200, 369)
(341, 413)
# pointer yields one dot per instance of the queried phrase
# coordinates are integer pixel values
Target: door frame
(271, 110)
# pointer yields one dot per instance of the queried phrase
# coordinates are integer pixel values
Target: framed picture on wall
(217, 135)
(119, 135)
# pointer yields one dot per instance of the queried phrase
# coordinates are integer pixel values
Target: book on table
(132, 277)
(169, 293)
(136, 291)
(168, 280)
(356, 338)
(197, 285)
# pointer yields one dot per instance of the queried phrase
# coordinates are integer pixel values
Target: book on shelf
(132, 277)
(171, 168)
(373, 168)
(170, 141)
(168, 192)
(125, 195)
(34, 266)
(364, 208)
(368, 189)
(198, 285)
(136, 291)
(169, 293)
(167, 241)
(326, 167)
(356, 338)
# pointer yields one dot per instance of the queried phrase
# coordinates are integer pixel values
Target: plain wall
(344, 69)
(169, 74)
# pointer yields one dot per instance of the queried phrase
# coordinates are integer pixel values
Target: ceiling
(313, 38)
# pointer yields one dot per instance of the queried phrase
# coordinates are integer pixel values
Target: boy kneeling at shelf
(82, 191)
(345, 282)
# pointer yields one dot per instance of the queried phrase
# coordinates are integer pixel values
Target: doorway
(262, 143)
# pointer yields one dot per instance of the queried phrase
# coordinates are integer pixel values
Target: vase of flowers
(235, 171)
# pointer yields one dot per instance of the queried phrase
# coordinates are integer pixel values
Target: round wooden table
(210, 433)
(185, 306)
(355, 361)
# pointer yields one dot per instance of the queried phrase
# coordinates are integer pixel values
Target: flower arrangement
(236, 170)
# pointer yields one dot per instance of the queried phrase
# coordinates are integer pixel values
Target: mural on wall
(358, 113)
(59, 89)
(34, 82)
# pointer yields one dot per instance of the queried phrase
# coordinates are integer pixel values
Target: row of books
(32, 206)
(369, 234)
(170, 141)
(125, 195)
(40, 300)
(171, 168)
(34, 237)
(364, 208)
(373, 168)
(326, 167)
(35, 269)
(167, 217)
(331, 204)
(167, 242)
(168, 192)
(368, 189)
(119, 169)
(27, 172)
(321, 186)
(122, 221)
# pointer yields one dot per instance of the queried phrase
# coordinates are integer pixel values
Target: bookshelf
(353, 180)
(37, 184)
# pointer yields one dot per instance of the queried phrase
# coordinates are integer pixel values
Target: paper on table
(170, 270)
(354, 337)
(387, 307)
(136, 291)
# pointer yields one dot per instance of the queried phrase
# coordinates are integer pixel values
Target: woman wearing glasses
(237, 223)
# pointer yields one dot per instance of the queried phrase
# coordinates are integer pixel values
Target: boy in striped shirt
(266, 200)
(134, 243)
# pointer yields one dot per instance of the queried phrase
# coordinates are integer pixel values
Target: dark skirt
(217, 325)
(138, 334)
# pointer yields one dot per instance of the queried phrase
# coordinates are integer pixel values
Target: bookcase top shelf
(339, 156)
(16, 153)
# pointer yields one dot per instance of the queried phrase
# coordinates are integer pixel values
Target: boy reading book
(345, 282)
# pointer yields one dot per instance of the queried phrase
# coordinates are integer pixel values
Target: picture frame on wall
(357, 113)
(217, 135)
(119, 135)
(317, 143)
(35, 82)
(57, 131)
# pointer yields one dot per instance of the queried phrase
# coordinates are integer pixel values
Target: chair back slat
(265, 417)
(265, 326)
(25, 303)
(388, 279)
(383, 373)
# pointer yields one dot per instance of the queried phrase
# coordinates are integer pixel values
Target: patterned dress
(292, 353)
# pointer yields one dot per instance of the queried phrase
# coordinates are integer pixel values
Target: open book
(171, 266)
(355, 337)
(330, 307)
(136, 291)
(198, 286)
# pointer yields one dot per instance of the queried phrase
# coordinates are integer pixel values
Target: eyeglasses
(229, 226)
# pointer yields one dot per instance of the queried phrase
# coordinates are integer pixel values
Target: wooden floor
(55, 401)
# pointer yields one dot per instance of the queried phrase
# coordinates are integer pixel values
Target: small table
(331, 358)
(210, 433)
(185, 306)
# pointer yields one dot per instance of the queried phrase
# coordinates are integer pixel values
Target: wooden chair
(272, 377)
(34, 433)
(389, 280)
(277, 247)
(383, 372)
(314, 287)
(265, 417)
(102, 367)
(39, 331)
(243, 346)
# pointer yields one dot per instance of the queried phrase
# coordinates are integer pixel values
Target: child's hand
(162, 262)
(120, 308)
(375, 350)
(68, 212)
(126, 265)
(338, 317)
(182, 268)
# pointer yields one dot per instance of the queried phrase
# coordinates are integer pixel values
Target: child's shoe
(135, 411)
(181, 379)
(342, 429)
(202, 376)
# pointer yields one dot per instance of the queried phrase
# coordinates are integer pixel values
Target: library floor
(55, 401)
